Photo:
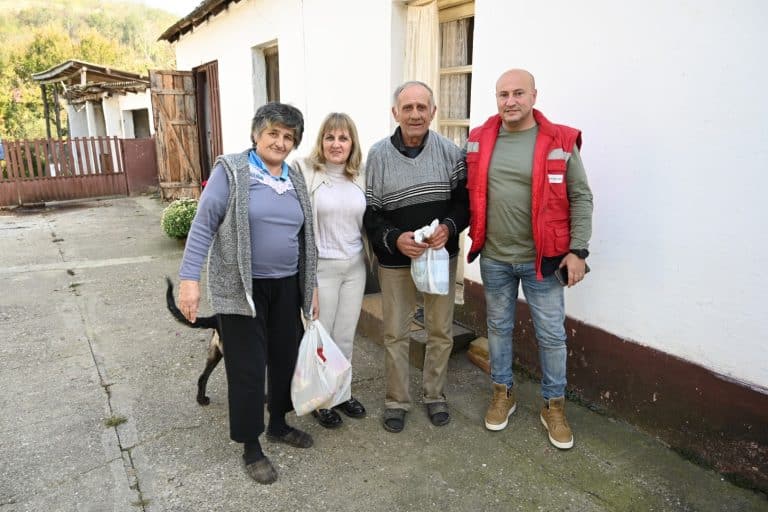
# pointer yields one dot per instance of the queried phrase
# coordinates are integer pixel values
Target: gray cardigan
(229, 258)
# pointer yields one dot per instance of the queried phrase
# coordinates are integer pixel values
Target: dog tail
(201, 322)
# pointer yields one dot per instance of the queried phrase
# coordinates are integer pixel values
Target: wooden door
(176, 133)
(208, 115)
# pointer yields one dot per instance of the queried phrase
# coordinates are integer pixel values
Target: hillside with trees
(37, 35)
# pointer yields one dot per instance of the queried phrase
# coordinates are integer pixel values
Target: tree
(39, 35)
(21, 104)
(98, 49)
(48, 48)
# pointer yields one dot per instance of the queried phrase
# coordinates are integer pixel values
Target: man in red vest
(530, 219)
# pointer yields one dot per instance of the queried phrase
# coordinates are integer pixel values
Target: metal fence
(57, 169)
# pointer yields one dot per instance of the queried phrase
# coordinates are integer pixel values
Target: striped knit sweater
(404, 194)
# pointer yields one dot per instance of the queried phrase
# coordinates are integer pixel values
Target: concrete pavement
(97, 392)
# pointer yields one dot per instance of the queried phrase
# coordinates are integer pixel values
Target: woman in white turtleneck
(337, 191)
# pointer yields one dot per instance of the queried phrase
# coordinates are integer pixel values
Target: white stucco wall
(135, 101)
(77, 121)
(113, 118)
(85, 122)
(671, 99)
(353, 62)
(94, 113)
(335, 55)
(668, 94)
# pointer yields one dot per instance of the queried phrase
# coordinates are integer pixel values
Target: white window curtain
(454, 88)
(422, 62)
(422, 46)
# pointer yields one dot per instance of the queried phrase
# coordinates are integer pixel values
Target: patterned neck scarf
(259, 172)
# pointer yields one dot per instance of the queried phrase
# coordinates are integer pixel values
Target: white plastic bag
(323, 376)
(430, 271)
(337, 364)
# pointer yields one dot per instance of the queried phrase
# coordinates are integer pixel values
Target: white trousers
(341, 284)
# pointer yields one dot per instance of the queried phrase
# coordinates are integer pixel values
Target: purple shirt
(275, 219)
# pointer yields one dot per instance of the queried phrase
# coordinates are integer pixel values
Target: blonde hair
(337, 121)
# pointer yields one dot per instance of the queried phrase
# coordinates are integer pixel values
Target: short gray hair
(276, 113)
(405, 85)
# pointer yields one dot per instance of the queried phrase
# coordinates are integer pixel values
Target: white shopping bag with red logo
(323, 376)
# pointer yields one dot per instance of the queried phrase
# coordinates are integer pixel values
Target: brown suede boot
(502, 406)
(553, 419)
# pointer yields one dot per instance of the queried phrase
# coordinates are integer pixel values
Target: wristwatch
(581, 253)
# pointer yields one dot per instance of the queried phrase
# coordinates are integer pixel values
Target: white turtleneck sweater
(339, 207)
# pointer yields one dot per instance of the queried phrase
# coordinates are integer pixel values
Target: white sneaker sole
(555, 443)
(501, 426)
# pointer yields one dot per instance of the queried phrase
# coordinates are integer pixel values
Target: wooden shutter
(176, 136)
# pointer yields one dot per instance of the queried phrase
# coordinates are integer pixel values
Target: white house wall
(77, 121)
(84, 122)
(668, 95)
(353, 63)
(671, 100)
(335, 55)
(112, 116)
(135, 101)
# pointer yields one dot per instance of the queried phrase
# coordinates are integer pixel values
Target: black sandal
(438, 413)
(394, 420)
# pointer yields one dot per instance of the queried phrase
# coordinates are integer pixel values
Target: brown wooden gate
(44, 170)
(176, 133)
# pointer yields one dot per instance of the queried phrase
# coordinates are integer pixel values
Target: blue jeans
(546, 302)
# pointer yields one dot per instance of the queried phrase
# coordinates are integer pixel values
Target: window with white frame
(457, 25)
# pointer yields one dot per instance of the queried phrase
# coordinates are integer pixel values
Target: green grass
(115, 420)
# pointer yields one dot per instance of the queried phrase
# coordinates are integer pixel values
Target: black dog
(215, 349)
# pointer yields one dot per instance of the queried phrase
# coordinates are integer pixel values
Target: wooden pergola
(78, 82)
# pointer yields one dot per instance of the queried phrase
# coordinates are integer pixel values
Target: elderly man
(530, 222)
(413, 177)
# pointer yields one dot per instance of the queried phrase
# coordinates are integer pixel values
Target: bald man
(530, 219)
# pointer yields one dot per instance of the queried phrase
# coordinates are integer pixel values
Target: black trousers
(251, 345)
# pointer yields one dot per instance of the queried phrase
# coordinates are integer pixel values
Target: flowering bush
(177, 217)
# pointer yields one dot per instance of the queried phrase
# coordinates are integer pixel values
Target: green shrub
(177, 217)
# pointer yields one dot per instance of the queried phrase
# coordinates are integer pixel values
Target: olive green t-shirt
(509, 234)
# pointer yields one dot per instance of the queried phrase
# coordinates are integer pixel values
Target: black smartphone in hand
(562, 274)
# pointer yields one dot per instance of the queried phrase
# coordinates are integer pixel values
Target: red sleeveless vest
(550, 211)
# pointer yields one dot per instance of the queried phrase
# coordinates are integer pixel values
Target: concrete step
(370, 325)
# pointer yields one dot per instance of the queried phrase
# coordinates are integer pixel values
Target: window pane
(457, 134)
(455, 50)
(454, 96)
(456, 42)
